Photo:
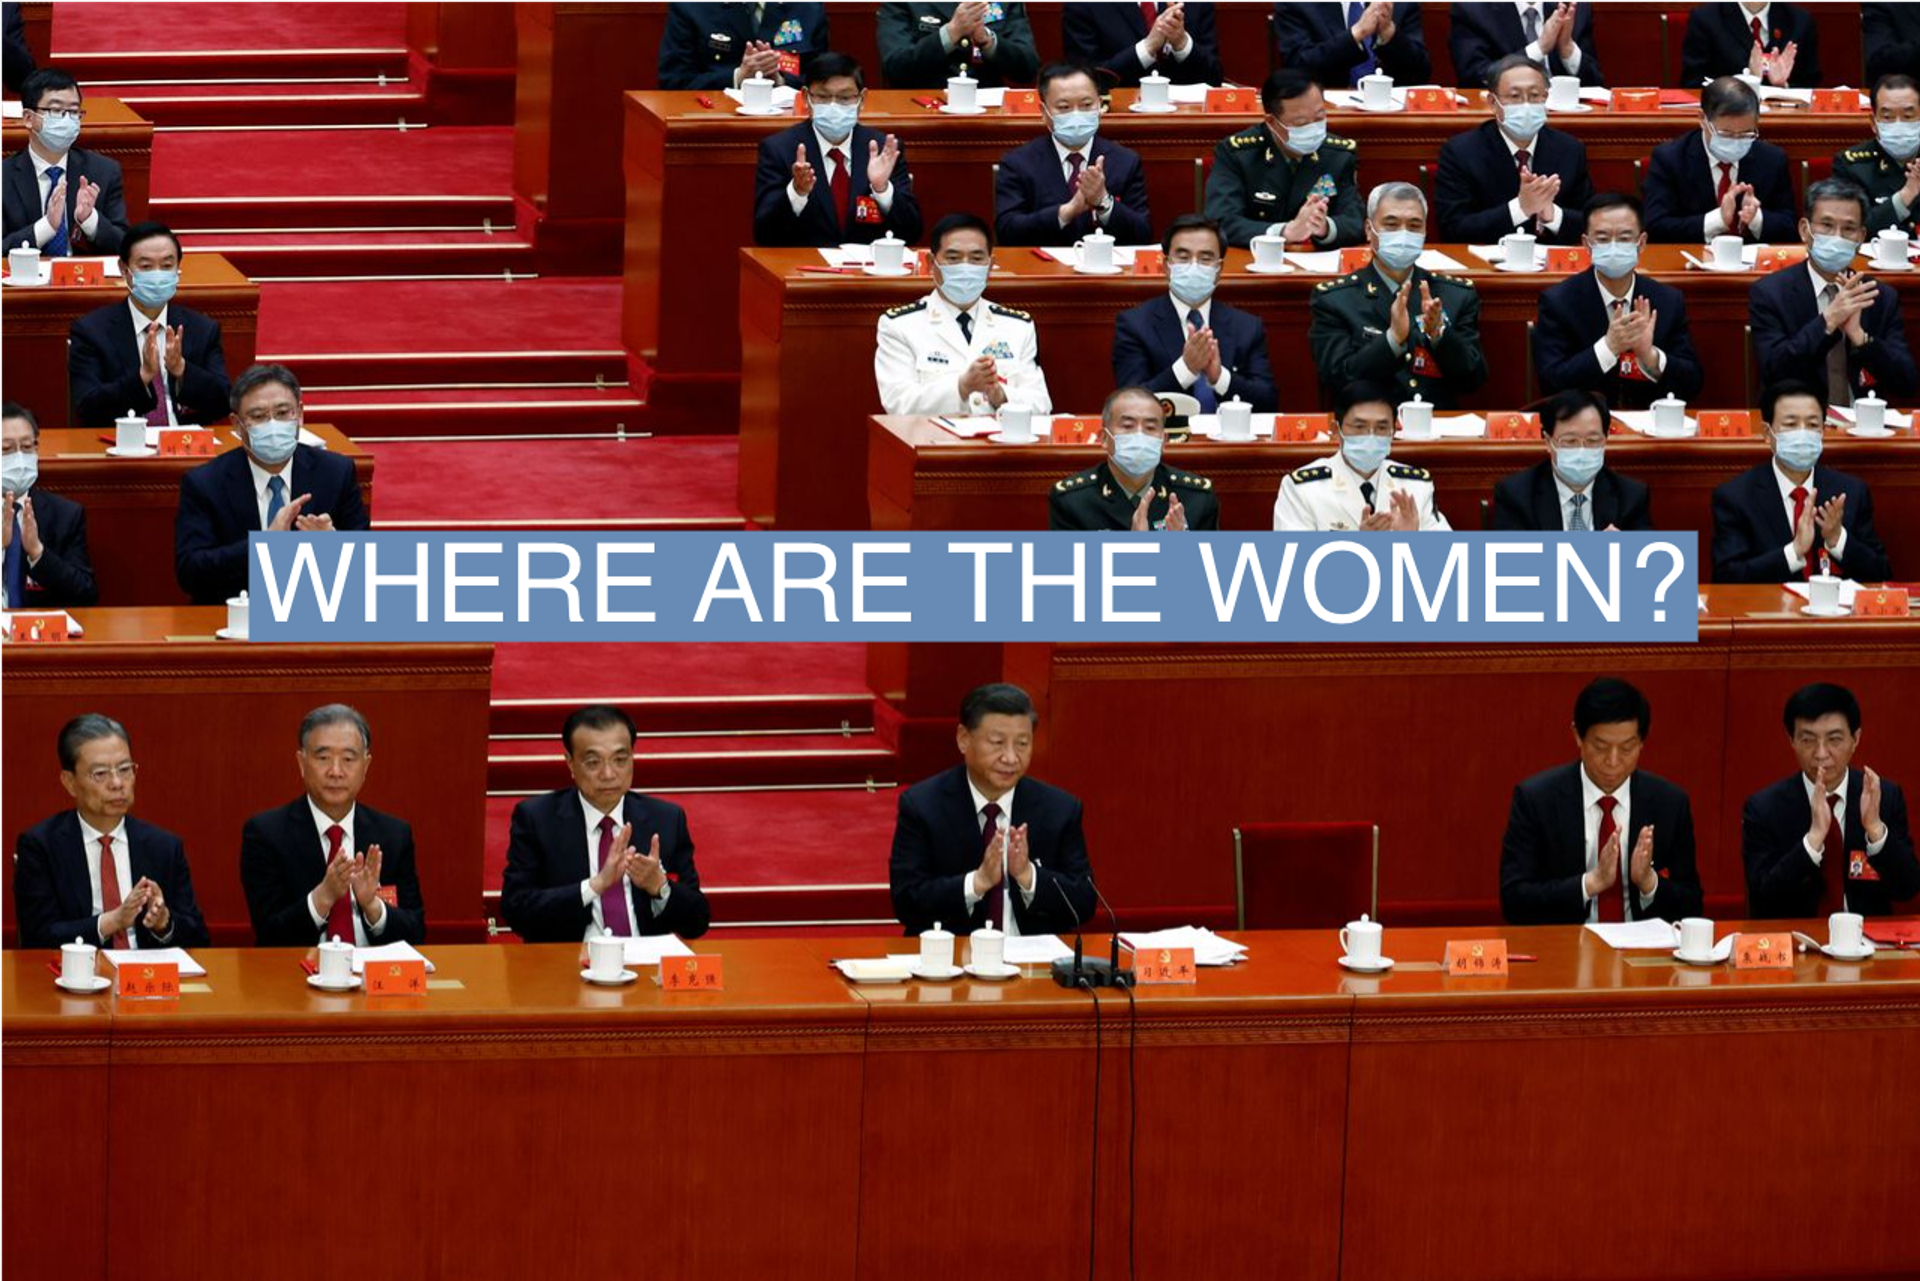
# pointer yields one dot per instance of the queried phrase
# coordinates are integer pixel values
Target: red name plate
(693, 974)
(194, 442)
(143, 981)
(1836, 100)
(1476, 958)
(1149, 262)
(1431, 100)
(396, 978)
(1074, 431)
(1763, 951)
(1636, 100)
(1232, 100)
(68, 272)
(1021, 102)
(36, 627)
(1568, 258)
(1513, 426)
(1774, 257)
(1884, 602)
(1300, 427)
(1726, 423)
(1165, 965)
(1354, 258)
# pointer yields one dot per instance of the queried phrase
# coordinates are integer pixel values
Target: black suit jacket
(1032, 186)
(1783, 882)
(1790, 339)
(19, 58)
(64, 573)
(1147, 339)
(23, 209)
(1478, 179)
(1529, 500)
(912, 56)
(774, 222)
(1679, 191)
(1720, 36)
(1891, 34)
(1315, 38)
(103, 368)
(1104, 35)
(937, 842)
(218, 509)
(1484, 33)
(1573, 316)
(1751, 529)
(282, 858)
(53, 897)
(548, 857)
(1544, 853)
(703, 43)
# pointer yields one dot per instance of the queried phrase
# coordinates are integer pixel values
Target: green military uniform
(1255, 184)
(1349, 335)
(1880, 176)
(1094, 500)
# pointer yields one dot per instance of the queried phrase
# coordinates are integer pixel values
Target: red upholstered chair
(1290, 876)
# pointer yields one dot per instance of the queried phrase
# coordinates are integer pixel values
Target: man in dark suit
(1786, 518)
(44, 535)
(1070, 182)
(1776, 41)
(149, 356)
(923, 45)
(830, 180)
(1559, 36)
(94, 872)
(984, 844)
(1720, 179)
(1825, 323)
(1287, 171)
(1829, 838)
(716, 46)
(1890, 34)
(326, 866)
(19, 58)
(59, 198)
(598, 857)
(273, 484)
(1133, 489)
(1887, 165)
(1600, 839)
(1337, 43)
(1612, 330)
(1179, 43)
(1190, 341)
(1573, 489)
(1513, 174)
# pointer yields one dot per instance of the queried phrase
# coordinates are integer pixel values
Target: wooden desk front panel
(131, 504)
(215, 727)
(116, 131)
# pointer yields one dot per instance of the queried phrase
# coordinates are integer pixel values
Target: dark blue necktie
(1369, 64)
(276, 497)
(1202, 390)
(57, 247)
(966, 327)
(16, 567)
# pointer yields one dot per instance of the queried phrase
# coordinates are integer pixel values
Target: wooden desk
(131, 504)
(214, 728)
(689, 172)
(34, 364)
(116, 131)
(807, 331)
(922, 477)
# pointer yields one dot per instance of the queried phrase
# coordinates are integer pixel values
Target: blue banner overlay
(1421, 588)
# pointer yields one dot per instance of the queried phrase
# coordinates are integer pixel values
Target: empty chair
(1290, 876)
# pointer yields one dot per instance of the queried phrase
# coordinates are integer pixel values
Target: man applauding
(830, 180)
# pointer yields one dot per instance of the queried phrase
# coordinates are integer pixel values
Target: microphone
(1080, 972)
(1121, 977)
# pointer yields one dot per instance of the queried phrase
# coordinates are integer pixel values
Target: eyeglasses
(1848, 230)
(61, 113)
(595, 764)
(836, 100)
(1361, 432)
(1751, 135)
(100, 775)
(257, 417)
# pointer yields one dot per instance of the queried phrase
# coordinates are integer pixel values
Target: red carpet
(445, 161)
(679, 476)
(676, 670)
(168, 28)
(578, 314)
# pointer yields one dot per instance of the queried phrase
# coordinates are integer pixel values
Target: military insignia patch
(1323, 186)
(789, 32)
(999, 351)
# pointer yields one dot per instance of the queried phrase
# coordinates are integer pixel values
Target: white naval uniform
(919, 356)
(1325, 495)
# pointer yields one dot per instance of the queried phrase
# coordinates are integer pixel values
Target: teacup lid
(936, 932)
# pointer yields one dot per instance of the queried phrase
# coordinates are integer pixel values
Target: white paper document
(189, 968)
(1069, 256)
(13, 109)
(1196, 94)
(1894, 418)
(1326, 262)
(1453, 427)
(1633, 936)
(862, 256)
(1034, 949)
(1641, 420)
(1208, 948)
(649, 948)
(402, 951)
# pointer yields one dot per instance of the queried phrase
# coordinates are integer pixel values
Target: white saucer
(227, 633)
(1576, 109)
(1099, 271)
(1707, 264)
(1864, 954)
(314, 980)
(1684, 959)
(99, 983)
(1380, 966)
(1146, 110)
(1880, 266)
(115, 451)
(948, 109)
(770, 111)
(936, 976)
(1836, 611)
(1359, 104)
(626, 977)
(1001, 438)
(1283, 269)
(1507, 266)
(870, 270)
(1000, 974)
(1871, 433)
(1659, 433)
(14, 282)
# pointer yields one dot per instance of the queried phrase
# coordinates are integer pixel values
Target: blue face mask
(18, 472)
(1366, 453)
(1799, 449)
(1900, 138)
(1192, 282)
(1399, 250)
(57, 133)
(1136, 452)
(1617, 260)
(1304, 140)
(835, 120)
(1075, 129)
(272, 442)
(1728, 151)
(1832, 254)
(153, 288)
(1578, 465)
(1524, 119)
(963, 282)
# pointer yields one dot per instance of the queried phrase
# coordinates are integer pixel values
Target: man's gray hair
(1837, 189)
(1395, 191)
(258, 376)
(335, 714)
(1121, 393)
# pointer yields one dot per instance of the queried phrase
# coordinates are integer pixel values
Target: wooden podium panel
(131, 503)
(116, 131)
(215, 725)
(34, 364)
(808, 353)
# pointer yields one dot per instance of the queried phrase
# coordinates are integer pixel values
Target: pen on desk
(931, 104)
(1521, 956)
(704, 101)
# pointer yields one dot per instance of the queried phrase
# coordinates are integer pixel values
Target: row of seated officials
(1594, 839)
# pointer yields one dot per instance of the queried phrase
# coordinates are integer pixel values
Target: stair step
(811, 713)
(258, 215)
(536, 768)
(344, 372)
(192, 107)
(401, 253)
(384, 413)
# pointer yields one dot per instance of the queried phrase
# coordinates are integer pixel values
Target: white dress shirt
(1104, 209)
(798, 202)
(123, 876)
(1817, 795)
(598, 926)
(1590, 795)
(43, 227)
(363, 933)
(1515, 214)
(1533, 50)
(262, 495)
(140, 324)
(1796, 563)
(1606, 355)
(1188, 377)
(973, 895)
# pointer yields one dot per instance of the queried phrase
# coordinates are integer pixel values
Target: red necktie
(110, 887)
(1754, 26)
(1726, 182)
(157, 416)
(1151, 12)
(613, 904)
(1612, 899)
(340, 919)
(1799, 496)
(839, 184)
(1833, 861)
(997, 896)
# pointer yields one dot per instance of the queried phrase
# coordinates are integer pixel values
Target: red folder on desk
(1904, 929)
